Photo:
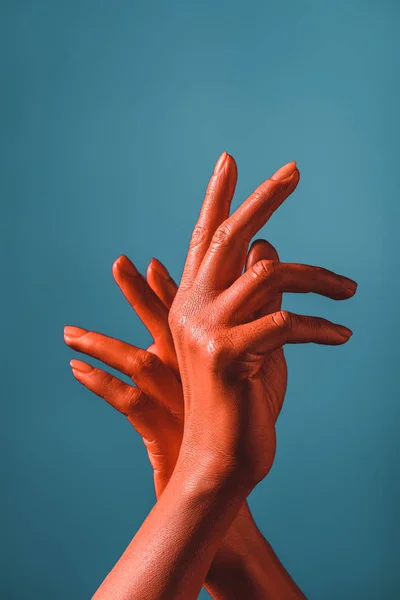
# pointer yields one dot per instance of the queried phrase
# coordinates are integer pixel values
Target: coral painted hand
(229, 331)
(227, 350)
(156, 408)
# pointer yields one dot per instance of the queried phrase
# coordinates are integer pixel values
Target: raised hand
(227, 344)
(155, 406)
(157, 414)
(235, 441)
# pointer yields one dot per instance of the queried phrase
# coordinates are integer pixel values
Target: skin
(228, 331)
(245, 563)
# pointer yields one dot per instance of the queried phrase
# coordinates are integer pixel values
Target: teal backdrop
(112, 115)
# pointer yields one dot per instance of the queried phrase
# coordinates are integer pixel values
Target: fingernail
(220, 163)
(284, 172)
(73, 332)
(79, 365)
(349, 283)
(124, 265)
(159, 269)
(345, 332)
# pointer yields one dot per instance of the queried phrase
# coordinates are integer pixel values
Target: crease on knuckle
(107, 385)
(199, 235)
(142, 361)
(283, 320)
(223, 235)
(136, 400)
(264, 268)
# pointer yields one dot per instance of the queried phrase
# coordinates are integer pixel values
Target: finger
(148, 306)
(267, 278)
(228, 246)
(140, 296)
(128, 400)
(161, 282)
(214, 211)
(259, 250)
(263, 250)
(283, 327)
(145, 368)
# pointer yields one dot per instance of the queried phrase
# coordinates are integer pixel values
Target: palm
(273, 379)
(267, 392)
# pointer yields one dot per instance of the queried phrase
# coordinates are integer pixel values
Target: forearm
(170, 555)
(246, 566)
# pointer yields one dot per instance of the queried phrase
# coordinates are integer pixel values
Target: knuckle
(217, 353)
(149, 361)
(142, 361)
(214, 348)
(223, 235)
(107, 385)
(199, 235)
(264, 268)
(283, 320)
(136, 399)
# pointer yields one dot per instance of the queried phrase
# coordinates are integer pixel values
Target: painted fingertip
(344, 332)
(285, 172)
(73, 332)
(159, 268)
(125, 266)
(221, 162)
(349, 284)
(79, 365)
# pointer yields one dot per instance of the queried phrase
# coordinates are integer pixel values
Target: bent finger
(264, 250)
(283, 327)
(143, 367)
(266, 278)
(128, 400)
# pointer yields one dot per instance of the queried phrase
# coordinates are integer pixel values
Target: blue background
(112, 116)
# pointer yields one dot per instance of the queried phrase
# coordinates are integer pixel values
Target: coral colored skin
(227, 346)
(245, 564)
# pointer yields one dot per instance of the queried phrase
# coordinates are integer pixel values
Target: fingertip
(72, 332)
(285, 172)
(344, 333)
(158, 268)
(123, 265)
(263, 249)
(150, 269)
(351, 291)
(80, 366)
(231, 162)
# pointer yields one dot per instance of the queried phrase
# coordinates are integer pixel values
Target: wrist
(210, 474)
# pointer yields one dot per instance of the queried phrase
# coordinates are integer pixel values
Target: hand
(245, 561)
(155, 407)
(226, 351)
